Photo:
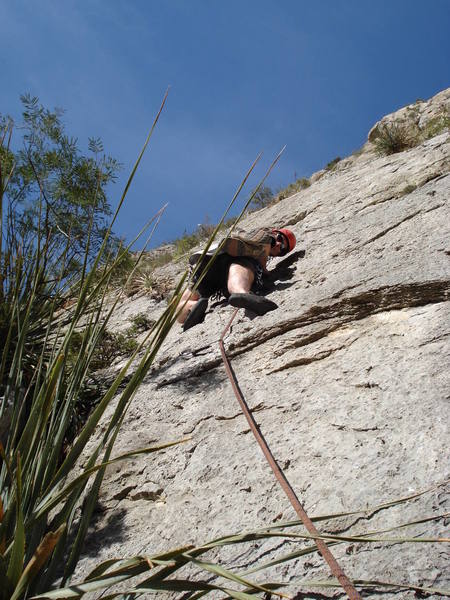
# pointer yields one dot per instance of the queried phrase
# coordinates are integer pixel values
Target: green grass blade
(368, 583)
(220, 571)
(37, 562)
(39, 415)
(18, 549)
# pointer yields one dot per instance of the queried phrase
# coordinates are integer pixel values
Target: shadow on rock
(103, 533)
(284, 271)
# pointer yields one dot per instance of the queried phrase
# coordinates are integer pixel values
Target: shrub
(293, 188)
(332, 164)
(185, 243)
(110, 346)
(142, 322)
(408, 189)
(119, 267)
(394, 138)
(159, 259)
(190, 240)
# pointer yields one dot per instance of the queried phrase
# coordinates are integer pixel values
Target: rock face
(348, 380)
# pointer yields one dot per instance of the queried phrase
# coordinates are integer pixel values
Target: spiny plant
(44, 306)
(40, 489)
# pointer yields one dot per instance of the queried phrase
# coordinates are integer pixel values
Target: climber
(236, 273)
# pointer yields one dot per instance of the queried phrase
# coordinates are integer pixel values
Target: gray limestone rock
(348, 380)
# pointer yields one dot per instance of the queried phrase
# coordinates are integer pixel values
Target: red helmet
(290, 237)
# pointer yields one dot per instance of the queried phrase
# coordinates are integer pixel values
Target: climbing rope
(287, 488)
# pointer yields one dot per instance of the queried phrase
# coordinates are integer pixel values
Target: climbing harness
(281, 477)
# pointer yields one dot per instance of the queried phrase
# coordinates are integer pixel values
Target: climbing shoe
(197, 314)
(257, 304)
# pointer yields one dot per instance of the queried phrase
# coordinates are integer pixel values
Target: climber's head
(283, 241)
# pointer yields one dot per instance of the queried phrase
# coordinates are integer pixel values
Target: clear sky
(246, 76)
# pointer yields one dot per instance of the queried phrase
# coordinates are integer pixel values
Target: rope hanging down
(321, 545)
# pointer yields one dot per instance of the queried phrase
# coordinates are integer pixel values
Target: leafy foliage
(52, 186)
(190, 240)
(110, 345)
(186, 242)
(141, 322)
(408, 189)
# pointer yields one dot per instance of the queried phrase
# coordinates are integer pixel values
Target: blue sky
(246, 76)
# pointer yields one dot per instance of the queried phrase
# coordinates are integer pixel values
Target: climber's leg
(187, 303)
(240, 278)
(240, 281)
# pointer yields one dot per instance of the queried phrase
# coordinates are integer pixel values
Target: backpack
(254, 244)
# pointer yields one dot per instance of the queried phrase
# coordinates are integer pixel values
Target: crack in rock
(353, 308)
(151, 494)
(436, 339)
(434, 177)
(306, 360)
(392, 227)
(258, 408)
(197, 423)
(124, 492)
(358, 429)
(345, 310)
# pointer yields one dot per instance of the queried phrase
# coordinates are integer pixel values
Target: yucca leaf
(126, 568)
(170, 585)
(5, 584)
(87, 283)
(18, 548)
(371, 583)
(39, 414)
(37, 561)
(185, 585)
(227, 574)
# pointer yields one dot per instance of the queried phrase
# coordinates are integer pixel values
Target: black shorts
(215, 281)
